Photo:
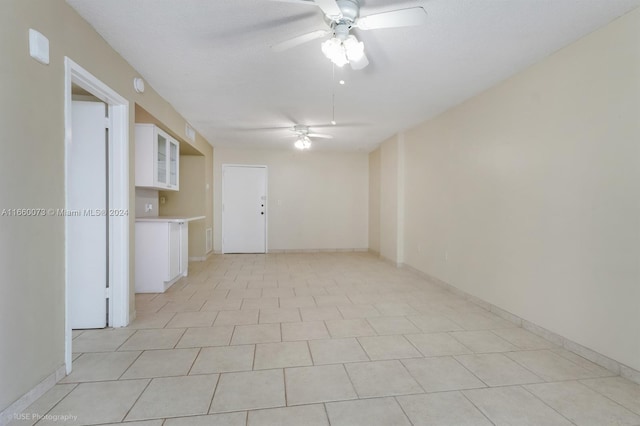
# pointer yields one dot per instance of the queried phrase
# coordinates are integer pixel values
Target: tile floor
(324, 339)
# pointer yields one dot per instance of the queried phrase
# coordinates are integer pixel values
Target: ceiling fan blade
(360, 63)
(296, 41)
(330, 8)
(320, 135)
(396, 18)
(311, 2)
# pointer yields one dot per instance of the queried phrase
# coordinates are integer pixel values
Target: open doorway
(112, 196)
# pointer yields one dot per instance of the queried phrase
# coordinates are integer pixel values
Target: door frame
(266, 202)
(118, 178)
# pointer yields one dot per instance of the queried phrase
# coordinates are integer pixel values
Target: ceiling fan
(303, 136)
(343, 15)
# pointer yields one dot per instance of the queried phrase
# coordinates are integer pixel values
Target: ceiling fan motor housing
(350, 11)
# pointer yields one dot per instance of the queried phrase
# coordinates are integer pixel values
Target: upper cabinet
(157, 158)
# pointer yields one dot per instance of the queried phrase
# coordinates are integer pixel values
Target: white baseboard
(568, 344)
(7, 415)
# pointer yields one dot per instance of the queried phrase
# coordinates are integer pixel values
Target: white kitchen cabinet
(157, 158)
(161, 254)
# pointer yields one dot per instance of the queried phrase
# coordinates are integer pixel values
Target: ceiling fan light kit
(342, 16)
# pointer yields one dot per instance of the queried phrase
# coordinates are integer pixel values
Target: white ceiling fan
(343, 15)
(303, 136)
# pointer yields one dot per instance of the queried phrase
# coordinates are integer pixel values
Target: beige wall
(527, 196)
(190, 201)
(32, 171)
(316, 200)
(374, 201)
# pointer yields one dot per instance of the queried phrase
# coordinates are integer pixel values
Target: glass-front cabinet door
(173, 164)
(161, 162)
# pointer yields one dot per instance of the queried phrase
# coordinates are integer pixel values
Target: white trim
(266, 202)
(7, 415)
(118, 196)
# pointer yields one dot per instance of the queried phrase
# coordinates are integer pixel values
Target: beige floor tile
(437, 344)
(149, 306)
(337, 351)
(249, 390)
(101, 340)
(512, 405)
(207, 336)
(100, 366)
(162, 363)
(311, 291)
(388, 347)
(303, 415)
(192, 319)
(479, 320)
(367, 412)
(497, 369)
(224, 419)
(276, 315)
(395, 309)
(153, 339)
(297, 302)
(381, 378)
(224, 359)
(278, 292)
(260, 333)
(483, 341)
(175, 397)
(365, 298)
(549, 366)
(95, 403)
(320, 313)
(45, 403)
(261, 303)
(392, 325)
(264, 283)
(349, 328)
(308, 385)
(151, 320)
(247, 293)
(304, 331)
(441, 374)
(594, 369)
(582, 405)
(332, 300)
(433, 323)
(239, 317)
(442, 409)
(222, 304)
(281, 355)
(358, 311)
(183, 306)
(618, 389)
(523, 339)
(140, 423)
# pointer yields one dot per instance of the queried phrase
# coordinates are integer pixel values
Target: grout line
(541, 400)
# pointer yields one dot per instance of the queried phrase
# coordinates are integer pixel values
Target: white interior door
(244, 209)
(86, 219)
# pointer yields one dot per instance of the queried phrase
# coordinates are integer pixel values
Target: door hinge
(107, 123)
(107, 293)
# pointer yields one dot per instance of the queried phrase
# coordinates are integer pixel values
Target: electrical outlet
(446, 255)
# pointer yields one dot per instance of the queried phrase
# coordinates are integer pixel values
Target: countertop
(168, 218)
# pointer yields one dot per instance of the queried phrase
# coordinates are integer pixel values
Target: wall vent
(190, 132)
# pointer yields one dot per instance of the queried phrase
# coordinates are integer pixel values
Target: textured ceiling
(211, 59)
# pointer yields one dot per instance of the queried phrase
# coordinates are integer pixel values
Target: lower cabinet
(162, 256)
